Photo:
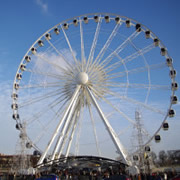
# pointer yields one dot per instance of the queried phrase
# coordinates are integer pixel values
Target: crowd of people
(69, 174)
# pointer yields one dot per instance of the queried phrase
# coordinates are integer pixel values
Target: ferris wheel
(78, 86)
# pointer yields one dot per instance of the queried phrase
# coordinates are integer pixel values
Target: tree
(153, 157)
(162, 157)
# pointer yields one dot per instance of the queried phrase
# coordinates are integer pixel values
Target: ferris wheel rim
(103, 14)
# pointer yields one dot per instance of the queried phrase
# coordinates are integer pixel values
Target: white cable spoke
(136, 70)
(40, 98)
(139, 86)
(57, 51)
(94, 130)
(128, 58)
(55, 76)
(120, 112)
(106, 61)
(69, 45)
(43, 58)
(41, 85)
(96, 35)
(83, 60)
(44, 130)
(106, 45)
(138, 103)
(46, 109)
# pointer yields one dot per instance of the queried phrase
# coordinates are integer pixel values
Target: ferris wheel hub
(82, 78)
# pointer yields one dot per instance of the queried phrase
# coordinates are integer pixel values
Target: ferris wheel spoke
(139, 86)
(107, 60)
(43, 57)
(144, 105)
(42, 85)
(50, 123)
(106, 45)
(128, 58)
(54, 76)
(96, 35)
(57, 51)
(83, 59)
(70, 48)
(94, 130)
(121, 113)
(136, 70)
(40, 98)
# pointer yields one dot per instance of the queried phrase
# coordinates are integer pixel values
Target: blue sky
(22, 22)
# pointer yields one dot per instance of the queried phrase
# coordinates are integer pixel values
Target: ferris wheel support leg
(111, 131)
(59, 125)
(71, 136)
(62, 137)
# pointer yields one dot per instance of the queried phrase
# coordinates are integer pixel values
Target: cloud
(42, 5)
(8, 133)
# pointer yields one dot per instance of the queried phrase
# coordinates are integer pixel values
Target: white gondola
(19, 76)
(148, 34)
(14, 106)
(157, 138)
(135, 158)
(85, 20)
(14, 96)
(138, 27)
(165, 126)
(23, 67)
(40, 43)
(27, 58)
(33, 50)
(48, 36)
(163, 51)
(36, 153)
(28, 145)
(174, 99)
(174, 86)
(16, 86)
(156, 42)
(169, 62)
(65, 26)
(96, 19)
(147, 149)
(75, 22)
(172, 73)
(56, 30)
(107, 19)
(171, 113)
(22, 135)
(128, 23)
(118, 20)
(18, 126)
(15, 116)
